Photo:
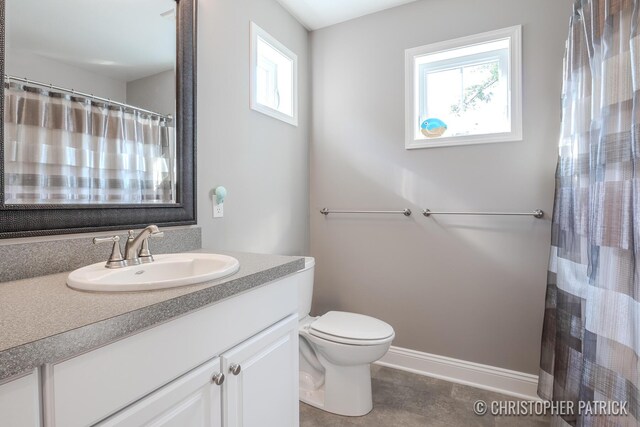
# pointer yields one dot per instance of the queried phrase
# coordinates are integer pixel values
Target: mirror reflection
(89, 102)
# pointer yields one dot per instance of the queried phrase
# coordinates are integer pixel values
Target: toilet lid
(351, 326)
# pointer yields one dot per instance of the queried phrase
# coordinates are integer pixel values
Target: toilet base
(346, 390)
(308, 393)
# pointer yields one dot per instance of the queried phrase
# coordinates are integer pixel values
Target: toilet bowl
(336, 351)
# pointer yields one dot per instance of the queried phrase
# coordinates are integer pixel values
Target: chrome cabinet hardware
(115, 259)
(235, 369)
(218, 378)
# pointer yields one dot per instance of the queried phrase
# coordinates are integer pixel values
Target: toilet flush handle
(235, 369)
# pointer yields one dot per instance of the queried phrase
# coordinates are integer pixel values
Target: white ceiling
(122, 39)
(316, 14)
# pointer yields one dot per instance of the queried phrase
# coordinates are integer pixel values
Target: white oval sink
(167, 271)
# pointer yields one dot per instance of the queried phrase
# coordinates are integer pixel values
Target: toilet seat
(351, 328)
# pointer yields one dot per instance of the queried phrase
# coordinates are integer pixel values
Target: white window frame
(256, 32)
(412, 92)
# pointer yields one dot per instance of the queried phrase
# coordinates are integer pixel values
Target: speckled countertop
(44, 321)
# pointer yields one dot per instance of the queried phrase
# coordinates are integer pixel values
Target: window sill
(292, 120)
(463, 140)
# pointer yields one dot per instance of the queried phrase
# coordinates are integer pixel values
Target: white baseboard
(499, 380)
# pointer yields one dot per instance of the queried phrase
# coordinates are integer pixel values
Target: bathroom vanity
(223, 353)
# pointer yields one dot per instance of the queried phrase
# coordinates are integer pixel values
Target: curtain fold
(63, 149)
(591, 333)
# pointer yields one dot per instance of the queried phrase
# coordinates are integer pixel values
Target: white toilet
(336, 351)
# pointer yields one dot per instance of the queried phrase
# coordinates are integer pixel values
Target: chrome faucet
(136, 250)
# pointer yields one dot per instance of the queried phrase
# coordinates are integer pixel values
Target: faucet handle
(116, 260)
(145, 255)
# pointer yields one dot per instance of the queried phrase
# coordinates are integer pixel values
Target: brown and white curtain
(591, 338)
(64, 149)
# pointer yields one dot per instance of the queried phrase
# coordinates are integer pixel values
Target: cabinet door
(192, 400)
(20, 402)
(261, 387)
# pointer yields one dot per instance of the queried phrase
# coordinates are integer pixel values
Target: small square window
(464, 91)
(274, 80)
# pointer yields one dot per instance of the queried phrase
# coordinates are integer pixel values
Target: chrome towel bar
(325, 212)
(538, 213)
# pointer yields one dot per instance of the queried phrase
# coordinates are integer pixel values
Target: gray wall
(26, 64)
(156, 92)
(468, 288)
(263, 162)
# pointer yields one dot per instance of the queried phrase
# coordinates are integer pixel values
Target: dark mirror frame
(41, 220)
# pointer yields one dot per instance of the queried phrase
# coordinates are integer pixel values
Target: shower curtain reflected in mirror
(591, 338)
(64, 149)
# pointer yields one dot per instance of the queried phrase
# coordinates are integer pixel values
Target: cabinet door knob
(235, 369)
(218, 378)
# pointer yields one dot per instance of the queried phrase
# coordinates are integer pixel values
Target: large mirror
(98, 107)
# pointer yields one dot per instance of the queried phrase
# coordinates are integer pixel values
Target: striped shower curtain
(591, 337)
(64, 149)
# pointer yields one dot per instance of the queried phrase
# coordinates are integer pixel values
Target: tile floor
(402, 399)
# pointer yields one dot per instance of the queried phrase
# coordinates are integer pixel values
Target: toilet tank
(305, 290)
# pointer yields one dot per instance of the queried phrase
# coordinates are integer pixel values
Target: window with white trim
(274, 80)
(464, 91)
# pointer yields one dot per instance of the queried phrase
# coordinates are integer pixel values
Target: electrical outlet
(218, 209)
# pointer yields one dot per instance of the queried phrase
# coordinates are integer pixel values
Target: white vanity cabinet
(164, 376)
(20, 402)
(261, 385)
(193, 400)
(252, 385)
